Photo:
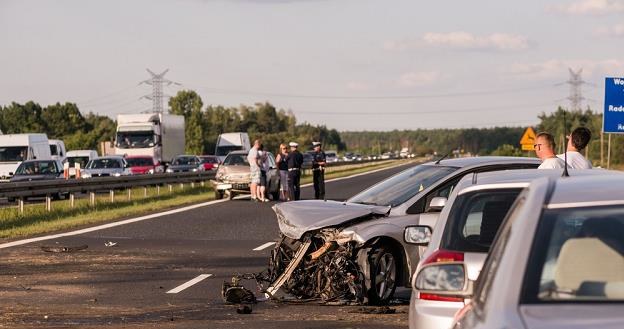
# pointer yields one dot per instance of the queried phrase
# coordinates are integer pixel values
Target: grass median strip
(37, 220)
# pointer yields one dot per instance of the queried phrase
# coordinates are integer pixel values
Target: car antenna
(565, 151)
(442, 158)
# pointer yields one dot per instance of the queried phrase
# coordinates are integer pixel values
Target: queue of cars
(483, 243)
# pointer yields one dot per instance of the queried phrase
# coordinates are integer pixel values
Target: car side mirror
(437, 204)
(448, 279)
(418, 235)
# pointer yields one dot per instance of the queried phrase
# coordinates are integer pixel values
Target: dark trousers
(319, 184)
(294, 191)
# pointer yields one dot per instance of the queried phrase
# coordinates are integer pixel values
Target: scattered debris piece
(244, 309)
(374, 310)
(64, 249)
(234, 293)
(110, 244)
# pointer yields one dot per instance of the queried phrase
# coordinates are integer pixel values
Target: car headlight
(194, 169)
(169, 170)
(86, 175)
(117, 174)
(151, 171)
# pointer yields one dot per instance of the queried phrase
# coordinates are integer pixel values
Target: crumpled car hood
(296, 218)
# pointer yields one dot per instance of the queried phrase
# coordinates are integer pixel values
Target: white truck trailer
(229, 142)
(157, 135)
(15, 148)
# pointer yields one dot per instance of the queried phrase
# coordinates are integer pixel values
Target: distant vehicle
(185, 163)
(57, 149)
(80, 157)
(210, 162)
(15, 148)
(234, 176)
(229, 142)
(141, 165)
(331, 156)
(465, 231)
(357, 157)
(157, 135)
(387, 155)
(348, 157)
(308, 158)
(559, 267)
(38, 170)
(112, 165)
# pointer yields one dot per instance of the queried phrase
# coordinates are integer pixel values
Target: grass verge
(36, 220)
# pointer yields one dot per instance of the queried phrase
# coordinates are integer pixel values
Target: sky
(347, 64)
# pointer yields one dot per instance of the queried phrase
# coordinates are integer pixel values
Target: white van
(57, 149)
(15, 148)
(81, 157)
(229, 142)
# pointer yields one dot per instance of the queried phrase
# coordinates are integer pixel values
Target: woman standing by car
(282, 165)
(263, 164)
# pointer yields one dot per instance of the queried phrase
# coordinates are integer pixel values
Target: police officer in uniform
(318, 171)
(294, 159)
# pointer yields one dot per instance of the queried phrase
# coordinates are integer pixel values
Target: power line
(440, 111)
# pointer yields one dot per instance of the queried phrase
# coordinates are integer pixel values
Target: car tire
(218, 195)
(11, 200)
(383, 273)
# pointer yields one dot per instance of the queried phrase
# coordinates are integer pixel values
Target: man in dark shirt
(318, 171)
(294, 160)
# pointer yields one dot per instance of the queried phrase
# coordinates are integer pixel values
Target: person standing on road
(263, 164)
(545, 150)
(282, 165)
(318, 171)
(294, 160)
(577, 141)
(252, 158)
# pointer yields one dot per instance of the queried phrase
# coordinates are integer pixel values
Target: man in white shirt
(577, 141)
(252, 158)
(545, 150)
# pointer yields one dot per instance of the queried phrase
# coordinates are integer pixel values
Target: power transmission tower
(157, 97)
(576, 93)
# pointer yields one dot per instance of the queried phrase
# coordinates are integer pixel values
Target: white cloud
(615, 31)
(558, 69)
(589, 7)
(466, 40)
(418, 79)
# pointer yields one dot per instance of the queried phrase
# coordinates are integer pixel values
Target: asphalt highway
(146, 278)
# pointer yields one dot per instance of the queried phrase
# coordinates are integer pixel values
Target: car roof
(518, 177)
(475, 161)
(139, 157)
(573, 191)
(116, 157)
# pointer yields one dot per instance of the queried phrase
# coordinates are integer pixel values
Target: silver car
(557, 261)
(464, 232)
(355, 250)
(106, 166)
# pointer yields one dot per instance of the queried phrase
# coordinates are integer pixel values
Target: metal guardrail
(50, 188)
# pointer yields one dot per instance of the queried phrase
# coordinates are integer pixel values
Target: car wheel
(56, 196)
(218, 195)
(11, 199)
(383, 273)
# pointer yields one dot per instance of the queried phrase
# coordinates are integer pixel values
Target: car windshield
(403, 186)
(135, 139)
(37, 168)
(13, 153)
(236, 160)
(475, 218)
(226, 149)
(184, 161)
(140, 162)
(80, 160)
(104, 163)
(581, 255)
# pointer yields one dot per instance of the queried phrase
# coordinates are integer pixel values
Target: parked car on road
(464, 232)
(144, 164)
(185, 163)
(112, 165)
(331, 156)
(38, 170)
(210, 162)
(234, 176)
(15, 148)
(367, 231)
(557, 262)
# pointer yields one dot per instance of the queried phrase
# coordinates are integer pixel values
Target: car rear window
(475, 219)
(140, 162)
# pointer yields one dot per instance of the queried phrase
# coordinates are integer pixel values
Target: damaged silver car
(356, 251)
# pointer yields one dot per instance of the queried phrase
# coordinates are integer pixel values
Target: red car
(210, 162)
(141, 165)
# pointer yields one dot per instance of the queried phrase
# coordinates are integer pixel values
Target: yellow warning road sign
(528, 139)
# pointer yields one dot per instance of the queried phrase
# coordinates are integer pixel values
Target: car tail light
(438, 256)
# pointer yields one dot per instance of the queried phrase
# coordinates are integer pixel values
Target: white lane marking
(109, 225)
(189, 283)
(264, 246)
